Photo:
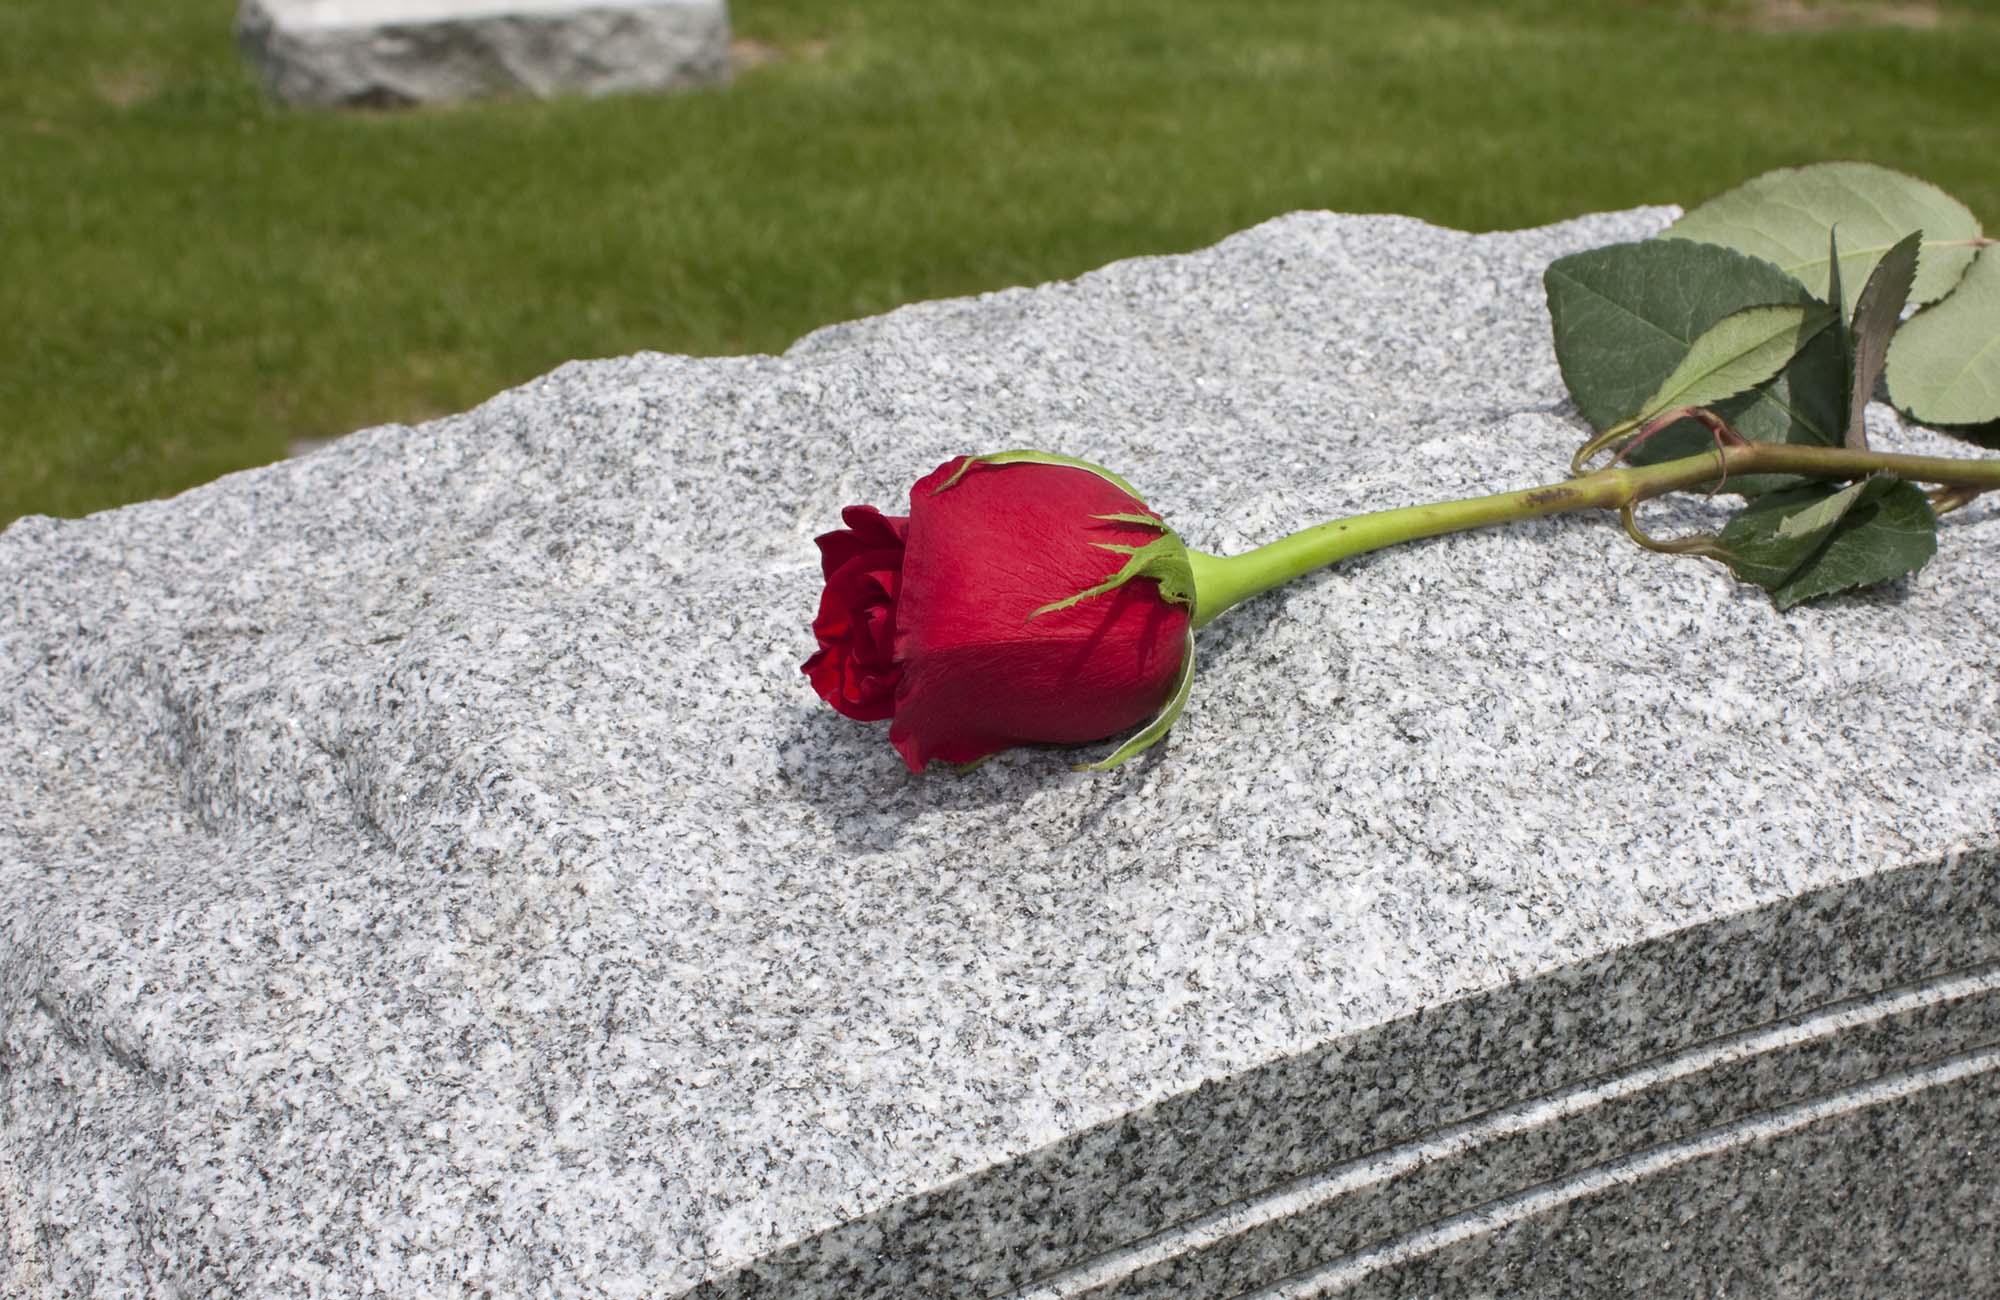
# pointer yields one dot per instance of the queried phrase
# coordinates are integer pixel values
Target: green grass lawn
(192, 278)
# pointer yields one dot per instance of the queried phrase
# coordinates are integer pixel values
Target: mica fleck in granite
(424, 870)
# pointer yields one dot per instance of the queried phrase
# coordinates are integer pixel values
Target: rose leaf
(1944, 366)
(1625, 316)
(1736, 353)
(1784, 217)
(1876, 314)
(1816, 540)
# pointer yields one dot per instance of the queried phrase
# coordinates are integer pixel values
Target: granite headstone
(425, 871)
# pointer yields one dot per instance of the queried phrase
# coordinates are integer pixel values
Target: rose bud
(1027, 598)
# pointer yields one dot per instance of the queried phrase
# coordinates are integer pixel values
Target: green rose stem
(1221, 582)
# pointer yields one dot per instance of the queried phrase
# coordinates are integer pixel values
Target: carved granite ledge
(423, 867)
(1632, 1107)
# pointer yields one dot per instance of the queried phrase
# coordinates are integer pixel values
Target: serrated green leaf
(1803, 403)
(1875, 542)
(1816, 540)
(1625, 316)
(1820, 515)
(1835, 293)
(1784, 217)
(1877, 312)
(1752, 543)
(1738, 352)
(1944, 366)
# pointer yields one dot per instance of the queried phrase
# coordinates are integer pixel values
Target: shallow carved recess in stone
(422, 864)
(383, 53)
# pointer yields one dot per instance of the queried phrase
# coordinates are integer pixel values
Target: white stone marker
(336, 53)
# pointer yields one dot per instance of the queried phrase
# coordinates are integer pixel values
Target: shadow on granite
(425, 871)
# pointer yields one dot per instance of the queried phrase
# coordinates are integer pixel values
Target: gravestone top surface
(423, 864)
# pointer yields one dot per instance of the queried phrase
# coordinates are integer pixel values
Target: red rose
(1025, 599)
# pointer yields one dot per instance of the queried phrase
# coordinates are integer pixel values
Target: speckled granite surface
(424, 871)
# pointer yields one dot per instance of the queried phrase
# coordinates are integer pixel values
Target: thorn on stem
(1697, 545)
(1597, 444)
(1947, 499)
(1724, 433)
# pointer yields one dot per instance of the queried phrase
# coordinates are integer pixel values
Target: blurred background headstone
(376, 53)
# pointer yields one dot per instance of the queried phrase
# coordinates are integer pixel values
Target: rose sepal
(1164, 559)
(1029, 456)
(1153, 732)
